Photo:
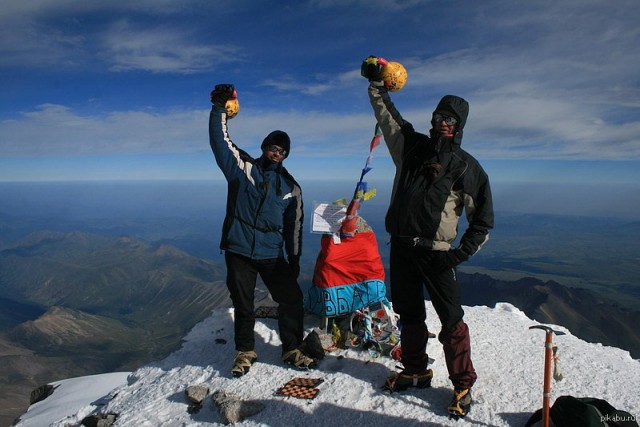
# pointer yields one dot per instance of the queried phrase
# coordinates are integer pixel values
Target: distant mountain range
(77, 303)
(586, 313)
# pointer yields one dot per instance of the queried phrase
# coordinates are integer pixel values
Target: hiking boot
(242, 362)
(400, 381)
(461, 403)
(298, 359)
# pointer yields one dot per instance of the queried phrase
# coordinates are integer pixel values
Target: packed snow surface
(507, 355)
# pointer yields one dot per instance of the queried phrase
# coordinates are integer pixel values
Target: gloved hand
(294, 263)
(449, 259)
(221, 94)
(371, 68)
(455, 257)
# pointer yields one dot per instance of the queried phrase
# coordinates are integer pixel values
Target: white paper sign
(327, 217)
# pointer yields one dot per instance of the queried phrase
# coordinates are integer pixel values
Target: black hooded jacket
(435, 179)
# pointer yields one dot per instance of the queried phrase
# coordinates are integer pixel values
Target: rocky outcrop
(41, 393)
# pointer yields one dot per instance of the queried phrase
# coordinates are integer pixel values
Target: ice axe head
(547, 329)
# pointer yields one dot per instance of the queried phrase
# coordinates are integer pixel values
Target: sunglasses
(275, 149)
(450, 121)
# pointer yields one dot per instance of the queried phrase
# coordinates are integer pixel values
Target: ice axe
(549, 356)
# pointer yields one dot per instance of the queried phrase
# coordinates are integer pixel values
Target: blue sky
(119, 89)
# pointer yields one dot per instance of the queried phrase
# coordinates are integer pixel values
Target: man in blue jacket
(264, 219)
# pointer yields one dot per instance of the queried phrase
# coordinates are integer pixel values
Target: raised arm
(232, 160)
(388, 117)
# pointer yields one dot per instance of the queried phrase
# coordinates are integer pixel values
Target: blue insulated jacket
(264, 214)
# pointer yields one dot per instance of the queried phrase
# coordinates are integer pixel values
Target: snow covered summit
(507, 355)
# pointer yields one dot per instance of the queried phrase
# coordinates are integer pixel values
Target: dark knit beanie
(279, 138)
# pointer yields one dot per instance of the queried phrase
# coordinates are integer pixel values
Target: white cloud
(67, 34)
(128, 47)
(288, 83)
(56, 130)
(382, 5)
(533, 131)
(27, 42)
(16, 9)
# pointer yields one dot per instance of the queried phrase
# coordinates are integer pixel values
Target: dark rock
(196, 393)
(312, 346)
(41, 393)
(233, 409)
(99, 420)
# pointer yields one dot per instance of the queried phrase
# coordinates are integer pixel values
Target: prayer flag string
(361, 193)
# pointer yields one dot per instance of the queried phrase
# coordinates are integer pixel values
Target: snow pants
(412, 269)
(242, 273)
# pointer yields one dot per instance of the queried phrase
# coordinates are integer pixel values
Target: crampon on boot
(460, 404)
(400, 381)
(242, 363)
(298, 359)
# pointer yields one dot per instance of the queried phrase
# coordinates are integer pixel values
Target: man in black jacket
(435, 180)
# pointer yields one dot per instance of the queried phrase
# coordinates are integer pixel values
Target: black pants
(412, 269)
(242, 273)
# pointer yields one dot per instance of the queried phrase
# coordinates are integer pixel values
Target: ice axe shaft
(548, 360)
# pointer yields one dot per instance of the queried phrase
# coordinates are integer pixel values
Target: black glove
(449, 259)
(221, 94)
(294, 263)
(455, 257)
(371, 68)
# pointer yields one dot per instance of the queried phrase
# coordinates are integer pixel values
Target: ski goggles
(450, 121)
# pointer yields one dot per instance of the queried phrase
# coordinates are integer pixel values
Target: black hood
(457, 107)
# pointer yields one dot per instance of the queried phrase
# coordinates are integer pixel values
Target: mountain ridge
(586, 313)
(99, 304)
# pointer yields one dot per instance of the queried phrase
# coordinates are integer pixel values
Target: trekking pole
(548, 359)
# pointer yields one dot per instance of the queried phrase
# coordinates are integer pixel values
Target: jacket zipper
(258, 210)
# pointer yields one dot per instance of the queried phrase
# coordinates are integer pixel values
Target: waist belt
(414, 241)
